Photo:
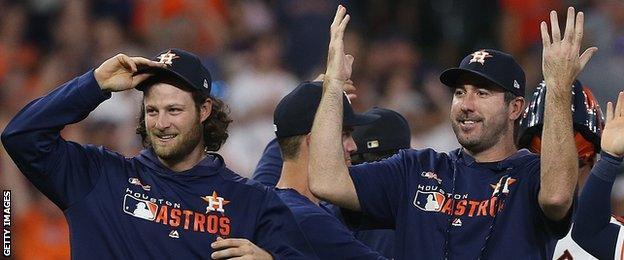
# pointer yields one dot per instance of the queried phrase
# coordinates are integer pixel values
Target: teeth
(469, 122)
(166, 136)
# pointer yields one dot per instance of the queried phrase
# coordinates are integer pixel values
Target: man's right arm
(58, 168)
(328, 174)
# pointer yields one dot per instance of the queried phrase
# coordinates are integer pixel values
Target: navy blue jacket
(136, 208)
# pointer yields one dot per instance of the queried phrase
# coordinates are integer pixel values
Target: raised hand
(339, 64)
(612, 140)
(561, 62)
(118, 72)
(237, 248)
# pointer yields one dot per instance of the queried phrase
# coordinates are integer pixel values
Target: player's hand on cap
(118, 72)
(612, 140)
(339, 64)
(348, 88)
(237, 248)
(561, 62)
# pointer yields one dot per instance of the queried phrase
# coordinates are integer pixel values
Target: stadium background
(257, 51)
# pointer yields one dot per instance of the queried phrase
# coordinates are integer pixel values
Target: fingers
(578, 29)
(229, 242)
(569, 29)
(554, 26)
(339, 15)
(609, 111)
(127, 63)
(587, 54)
(228, 253)
(137, 79)
(545, 36)
(619, 107)
(140, 61)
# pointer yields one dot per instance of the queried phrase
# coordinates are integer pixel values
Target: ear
(205, 110)
(516, 108)
(307, 139)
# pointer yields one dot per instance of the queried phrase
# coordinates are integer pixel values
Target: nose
(467, 103)
(349, 145)
(162, 122)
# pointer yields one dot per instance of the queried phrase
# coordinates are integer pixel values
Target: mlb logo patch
(429, 200)
(139, 208)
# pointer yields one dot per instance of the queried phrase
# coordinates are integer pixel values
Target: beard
(180, 148)
(490, 134)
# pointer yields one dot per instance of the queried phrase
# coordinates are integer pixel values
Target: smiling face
(479, 114)
(173, 122)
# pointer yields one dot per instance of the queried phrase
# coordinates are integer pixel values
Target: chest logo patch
(215, 203)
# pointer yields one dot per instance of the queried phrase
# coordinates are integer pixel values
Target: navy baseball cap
(390, 132)
(295, 113)
(183, 65)
(494, 66)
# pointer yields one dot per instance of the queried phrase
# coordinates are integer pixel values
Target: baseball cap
(183, 65)
(295, 113)
(494, 66)
(390, 132)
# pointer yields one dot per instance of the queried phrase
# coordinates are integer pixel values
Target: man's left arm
(561, 64)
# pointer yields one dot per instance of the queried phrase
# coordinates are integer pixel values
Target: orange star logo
(215, 203)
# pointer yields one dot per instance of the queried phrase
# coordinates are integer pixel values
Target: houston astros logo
(215, 203)
(167, 58)
(479, 56)
(508, 181)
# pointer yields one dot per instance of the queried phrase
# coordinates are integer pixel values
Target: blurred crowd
(259, 50)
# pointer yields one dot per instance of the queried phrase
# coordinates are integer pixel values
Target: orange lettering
(461, 207)
(175, 217)
(473, 206)
(493, 206)
(212, 224)
(447, 206)
(483, 208)
(224, 222)
(187, 215)
(198, 224)
(162, 215)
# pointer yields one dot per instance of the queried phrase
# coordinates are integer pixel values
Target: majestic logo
(167, 58)
(431, 175)
(479, 56)
(508, 181)
(206, 83)
(516, 84)
(215, 203)
(174, 234)
(138, 182)
(457, 222)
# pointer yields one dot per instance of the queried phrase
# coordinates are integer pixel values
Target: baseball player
(594, 230)
(377, 141)
(293, 117)
(485, 200)
(588, 123)
(175, 199)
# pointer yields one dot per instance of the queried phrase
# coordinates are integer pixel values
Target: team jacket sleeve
(332, 240)
(380, 187)
(278, 233)
(63, 171)
(592, 229)
(269, 167)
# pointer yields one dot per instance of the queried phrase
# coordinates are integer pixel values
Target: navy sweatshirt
(450, 206)
(136, 208)
(328, 237)
(593, 229)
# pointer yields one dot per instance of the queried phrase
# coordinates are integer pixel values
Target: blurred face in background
(348, 145)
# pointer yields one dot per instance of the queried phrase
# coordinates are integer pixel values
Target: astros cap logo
(479, 56)
(167, 58)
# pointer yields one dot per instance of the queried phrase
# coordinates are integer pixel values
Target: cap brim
(360, 119)
(161, 71)
(449, 77)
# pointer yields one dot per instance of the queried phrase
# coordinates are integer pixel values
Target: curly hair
(215, 131)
